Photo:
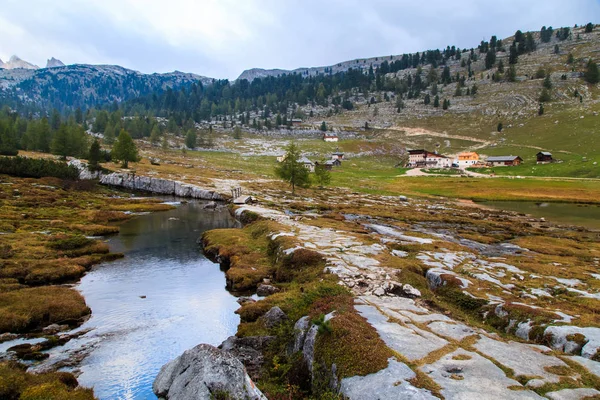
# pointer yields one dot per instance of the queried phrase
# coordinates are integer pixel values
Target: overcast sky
(221, 38)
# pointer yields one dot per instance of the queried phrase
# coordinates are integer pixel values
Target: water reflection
(161, 299)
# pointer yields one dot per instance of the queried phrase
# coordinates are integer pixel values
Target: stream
(163, 298)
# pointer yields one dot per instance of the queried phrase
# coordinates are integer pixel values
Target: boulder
(410, 291)
(245, 300)
(266, 290)
(273, 317)
(5, 337)
(249, 350)
(54, 328)
(84, 172)
(205, 372)
(210, 205)
(300, 329)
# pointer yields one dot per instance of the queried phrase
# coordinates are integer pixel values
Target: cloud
(221, 38)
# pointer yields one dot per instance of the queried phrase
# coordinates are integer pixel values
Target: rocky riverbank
(377, 298)
(147, 184)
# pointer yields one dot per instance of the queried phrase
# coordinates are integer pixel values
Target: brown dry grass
(33, 308)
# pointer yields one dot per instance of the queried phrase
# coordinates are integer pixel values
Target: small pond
(586, 215)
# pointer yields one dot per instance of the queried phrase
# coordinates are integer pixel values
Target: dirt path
(424, 132)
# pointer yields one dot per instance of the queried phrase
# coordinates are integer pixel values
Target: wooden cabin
(504, 161)
(544, 157)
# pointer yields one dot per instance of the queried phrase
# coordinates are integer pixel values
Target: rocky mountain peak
(15, 62)
(53, 62)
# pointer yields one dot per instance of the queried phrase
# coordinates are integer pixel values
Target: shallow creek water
(163, 298)
(586, 215)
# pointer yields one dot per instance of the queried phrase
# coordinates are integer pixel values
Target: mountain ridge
(17, 63)
(53, 62)
(83, 85)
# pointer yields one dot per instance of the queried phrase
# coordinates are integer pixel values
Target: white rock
(573, 394)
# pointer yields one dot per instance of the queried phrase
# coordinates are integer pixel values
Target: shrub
(302, 264)
(64, 242)
(37, 168)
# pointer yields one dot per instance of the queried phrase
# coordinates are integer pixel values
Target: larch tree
(291, 170)
(124, 149)
(191, 138)
(94, 156)
(322, 175)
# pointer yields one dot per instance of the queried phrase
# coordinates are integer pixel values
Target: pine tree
(545, 96)
(541, 109)
(436, 101)
(124, 149)
(490, 59)
(427, 99)
(191, 138)
(547, 84)
(8, 140)
(591, 74)
(499, 127)
(513, 55)
(589, 27)
(458, 91)
(44, 136)
(446, 78)
(60, 142)
(323, 126)
(512, 74)
(109, 134)
(101, 122)
(237, 133)
(291, 170)
(94, 156)
(78, 115)
(155, 135)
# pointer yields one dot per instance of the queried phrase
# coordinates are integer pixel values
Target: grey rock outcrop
(273, 317)
(389, 383)
(249, 350)
(147, 184)
(561, 339)
(205, 372)
(84, 172)
(300, 329)
(266, 290)
(158, 185)
(308, 349)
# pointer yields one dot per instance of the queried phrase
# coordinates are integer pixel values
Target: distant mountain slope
(85, 86)
(359, 63)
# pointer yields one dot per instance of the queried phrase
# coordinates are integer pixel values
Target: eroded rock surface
(205, 372)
